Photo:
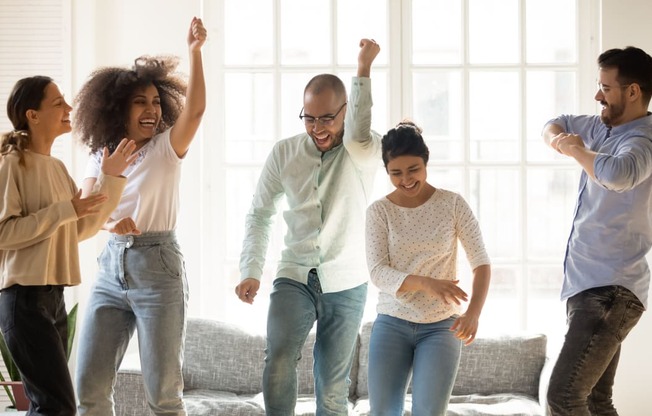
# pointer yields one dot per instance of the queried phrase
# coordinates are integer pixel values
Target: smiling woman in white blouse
(412, 236)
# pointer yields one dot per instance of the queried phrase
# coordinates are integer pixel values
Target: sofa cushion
(220, 356)
(506, 404)
(495, 365)
(473, 405)
(224, 357)
(211, 402)
(502, 364)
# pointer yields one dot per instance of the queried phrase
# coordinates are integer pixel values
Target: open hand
(87, 206)
(445, 290)
(120, 159)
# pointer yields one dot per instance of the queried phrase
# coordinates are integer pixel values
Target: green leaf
(72, 326)
(12, 370)
(10, 394)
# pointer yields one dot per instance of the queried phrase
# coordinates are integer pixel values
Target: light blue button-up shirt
(327, 195)
(612, 226)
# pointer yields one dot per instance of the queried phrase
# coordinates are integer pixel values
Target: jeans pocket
(171, 260)
(632, 313)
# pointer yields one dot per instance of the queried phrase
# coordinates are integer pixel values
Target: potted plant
(14, 386)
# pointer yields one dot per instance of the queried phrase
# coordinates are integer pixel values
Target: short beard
(338, 139)
(613, 112)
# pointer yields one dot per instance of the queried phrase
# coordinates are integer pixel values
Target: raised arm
(188, 122)
(369, 49)
(360, 141)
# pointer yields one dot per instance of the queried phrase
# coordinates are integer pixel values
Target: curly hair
(102, 105)
(27, 94)
(404, 139)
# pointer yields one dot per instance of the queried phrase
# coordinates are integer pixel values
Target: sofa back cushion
(224, 357)
(221, 356)
(503, 364)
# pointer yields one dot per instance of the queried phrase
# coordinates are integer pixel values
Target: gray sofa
(224, 365)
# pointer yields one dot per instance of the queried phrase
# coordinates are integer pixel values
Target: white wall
(627, 23)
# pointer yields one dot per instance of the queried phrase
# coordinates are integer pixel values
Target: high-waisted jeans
(599, 319)
(293, 309)
(141, 285)
(398, 348)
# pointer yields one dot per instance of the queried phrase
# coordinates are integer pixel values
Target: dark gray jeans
(34, 323)
(599, 319)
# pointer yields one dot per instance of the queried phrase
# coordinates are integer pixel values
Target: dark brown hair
(27, 94)
(404, 139)
(634, 67)
(103, 103)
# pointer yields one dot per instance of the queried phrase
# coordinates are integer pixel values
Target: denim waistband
(145, 239)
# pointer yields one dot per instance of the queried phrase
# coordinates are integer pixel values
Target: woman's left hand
(196, 34)
(465, 328)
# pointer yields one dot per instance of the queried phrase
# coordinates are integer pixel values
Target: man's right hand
(247, 290)
(368, 51)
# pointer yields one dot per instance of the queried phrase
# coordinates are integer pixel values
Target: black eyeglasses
(326, 120)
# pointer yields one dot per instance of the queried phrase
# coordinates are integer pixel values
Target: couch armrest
(129, 394)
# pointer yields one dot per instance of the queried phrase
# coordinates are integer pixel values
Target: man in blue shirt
(326, 175)
(606, 276)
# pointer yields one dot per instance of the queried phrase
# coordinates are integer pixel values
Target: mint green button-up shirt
(327, 195)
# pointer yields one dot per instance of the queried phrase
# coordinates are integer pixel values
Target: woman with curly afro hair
(141, 281)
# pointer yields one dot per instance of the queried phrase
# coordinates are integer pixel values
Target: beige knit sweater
(39, 229)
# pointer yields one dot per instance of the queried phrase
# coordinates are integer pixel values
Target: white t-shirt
(151, 196)
(422, 241)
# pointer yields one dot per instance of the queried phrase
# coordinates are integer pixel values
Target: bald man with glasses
(326, 175)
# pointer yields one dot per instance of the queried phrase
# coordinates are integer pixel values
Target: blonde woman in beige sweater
(42, 219)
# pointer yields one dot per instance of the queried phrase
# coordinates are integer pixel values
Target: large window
(480, 76)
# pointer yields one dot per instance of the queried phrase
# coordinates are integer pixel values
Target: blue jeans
(35, 327)
(397, 348)
(141, 285)
(599, 319)
(293, 309)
